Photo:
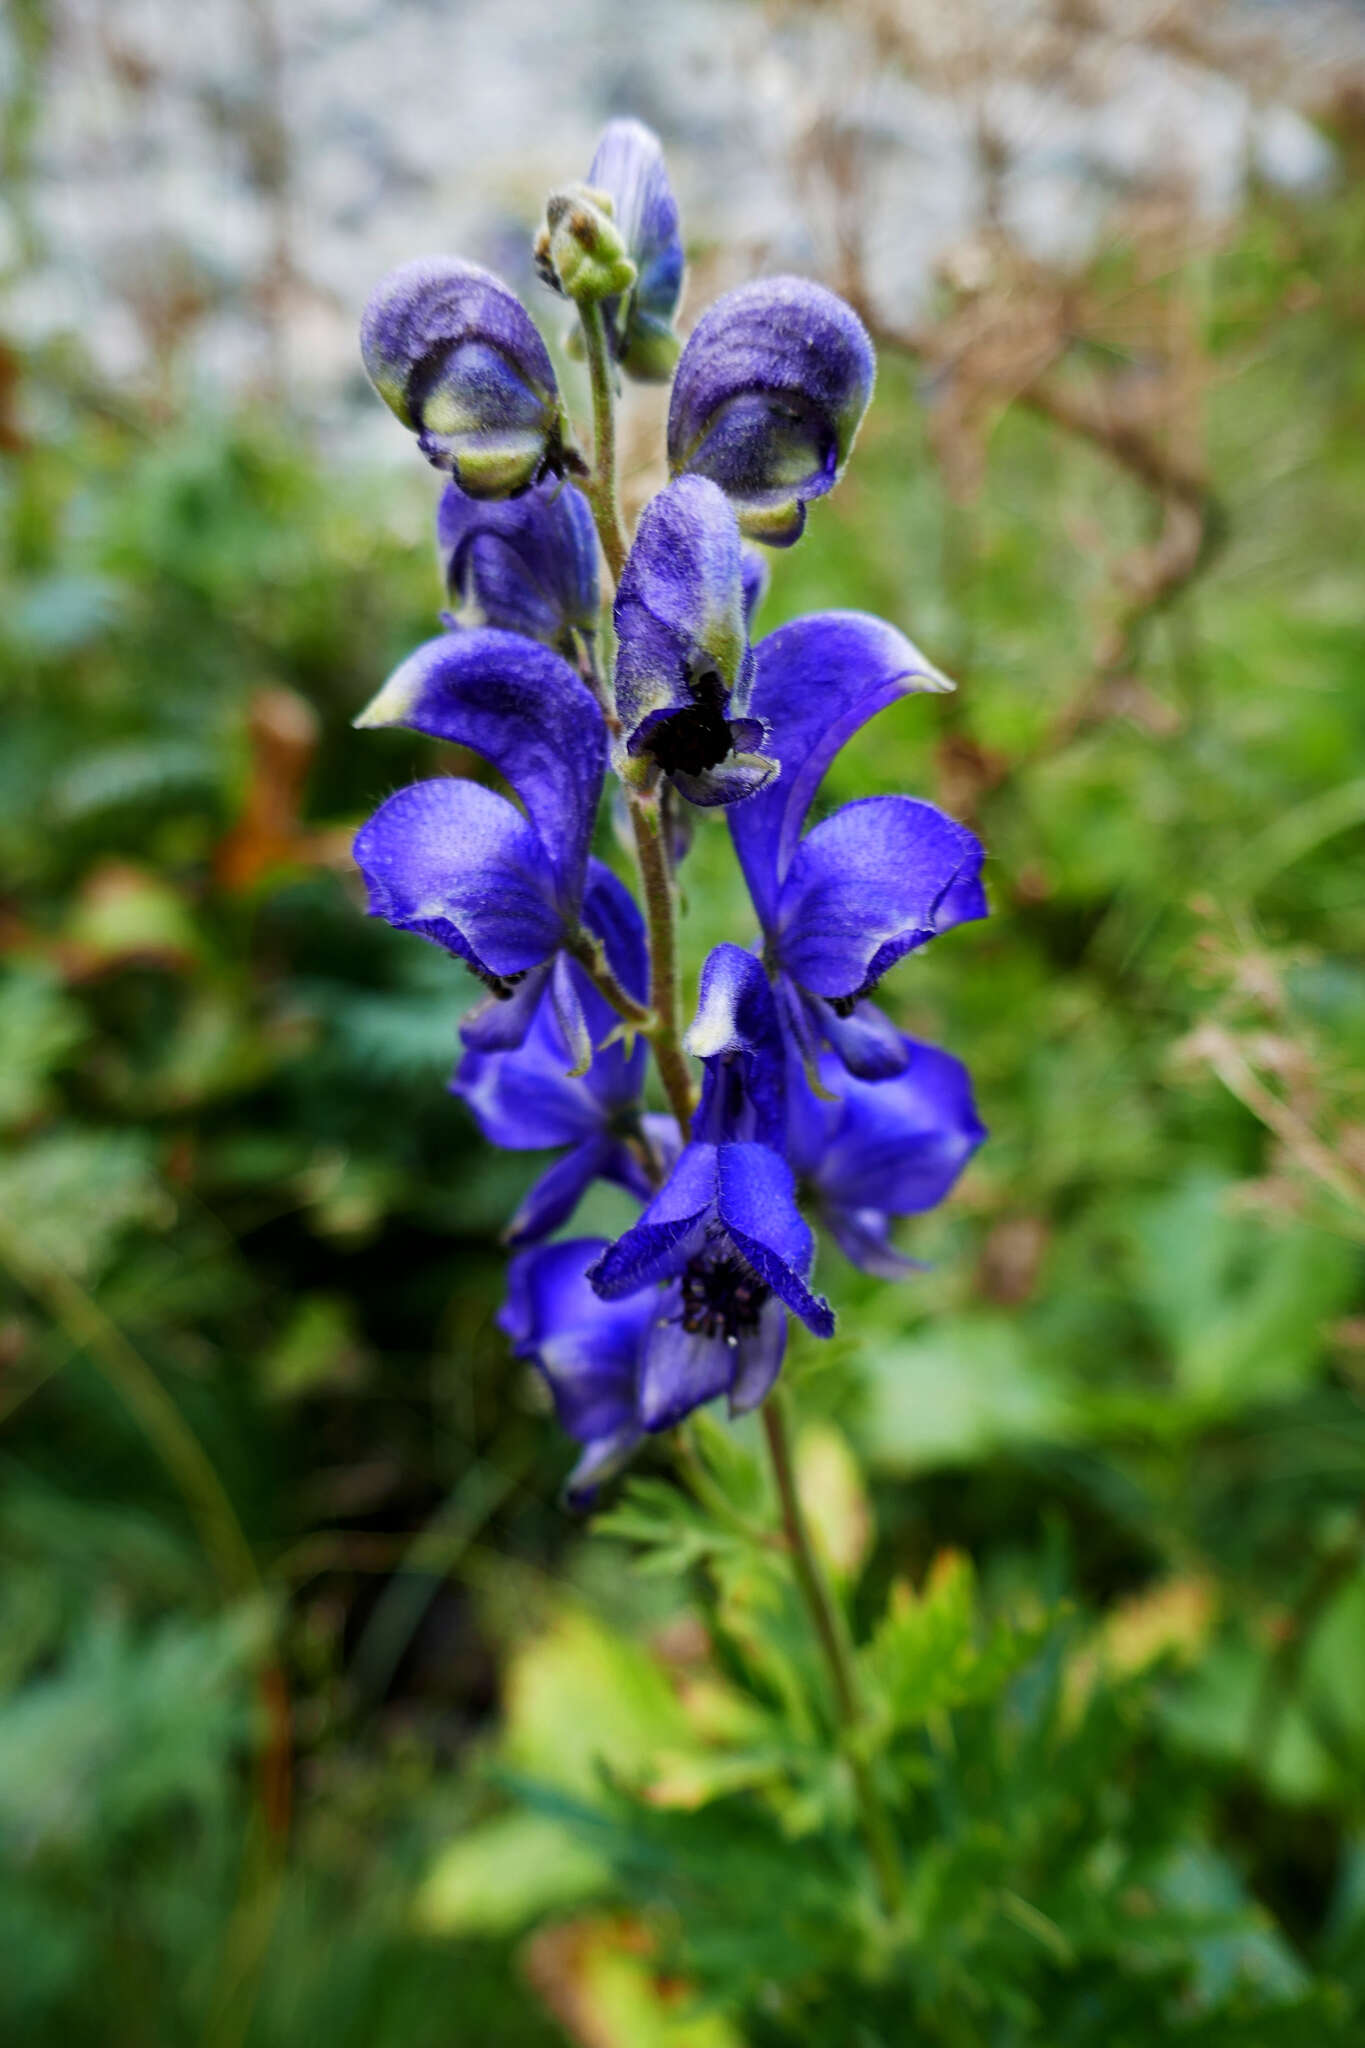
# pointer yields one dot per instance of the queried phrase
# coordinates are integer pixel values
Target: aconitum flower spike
(629, 167)
(770, 392)
(683, 665)
(870, 1151)
(527, 564)
(842, 904)
(457, 357)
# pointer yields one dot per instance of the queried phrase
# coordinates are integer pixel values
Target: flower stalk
(657, 886)
(831, 1632)
(601, 489)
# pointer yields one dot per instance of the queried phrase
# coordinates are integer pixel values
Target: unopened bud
(580, 250)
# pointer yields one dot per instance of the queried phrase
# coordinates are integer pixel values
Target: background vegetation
(306, 1681)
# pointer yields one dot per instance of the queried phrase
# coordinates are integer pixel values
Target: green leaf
(502, 1875)
(925, 1658)
(1241, 1305)
(957, 1392)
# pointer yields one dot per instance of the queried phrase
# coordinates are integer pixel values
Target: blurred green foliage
(319, 1720)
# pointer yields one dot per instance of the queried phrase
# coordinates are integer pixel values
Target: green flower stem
(832, 1634)
(665, 986)
(591, 957)
(601, 486)
(664, 1027)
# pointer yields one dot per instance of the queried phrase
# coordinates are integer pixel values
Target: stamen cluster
(809, 1096)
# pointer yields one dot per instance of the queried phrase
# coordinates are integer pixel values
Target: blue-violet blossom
(500, 888)
(769, 395)
(839, 906)
(722, 1245)
(457, 357)
(628, 166)
(527, 564)
(869, 1151)
(683, 662)
(527, 1100)
(587, 1350)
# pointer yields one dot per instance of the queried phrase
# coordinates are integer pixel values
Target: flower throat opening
(721, 1298)
(698, 738)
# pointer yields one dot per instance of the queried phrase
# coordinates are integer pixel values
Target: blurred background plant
(319, 1719)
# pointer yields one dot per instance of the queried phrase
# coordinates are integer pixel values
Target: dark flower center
(699, 737)
(721, 1298)
(502, 986)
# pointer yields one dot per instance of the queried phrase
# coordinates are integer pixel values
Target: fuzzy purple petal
(679, 616)
(769, 394)
(672, 1229)
(586, 1348)
(758, 1359)
(756, 1204)
(738, 1039)
(525, 564)
(867, 885)
(816, 682)
(457, 357)
(554, 1197)
(460, 865)
(629, 165)
(680, 1370)
(522, 707)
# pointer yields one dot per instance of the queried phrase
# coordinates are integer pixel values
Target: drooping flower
(527, 1100)
(770, 392)
(869, 1151)
(586, 1349)
(628, 166)
(455, 355)
(500, 888)
(527, 564)
(877, 879)
(683, 662)
(722, 1245)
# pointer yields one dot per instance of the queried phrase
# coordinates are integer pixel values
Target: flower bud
(770, 392)
(628, 167)
(527, 564)
(455, 355)
(579, 251)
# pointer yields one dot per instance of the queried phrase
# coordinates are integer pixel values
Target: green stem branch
(591, 957)
(665, 986)
(601, 486)
(832, 1634)
(663, 1027)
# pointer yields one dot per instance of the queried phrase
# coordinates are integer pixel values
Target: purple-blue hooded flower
(500, 888)
(869, 1151)
(527, 1100)
(868, 884)
(769, 394)
(456, 356)
(586, 1349)
(527, 564)
(683, 663)
(628, 167)
(722, 1244)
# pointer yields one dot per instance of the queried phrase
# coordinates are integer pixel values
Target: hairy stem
(665, 987)
(664, 1027)
(832, 1635)
(601, 486)
(591, 957)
